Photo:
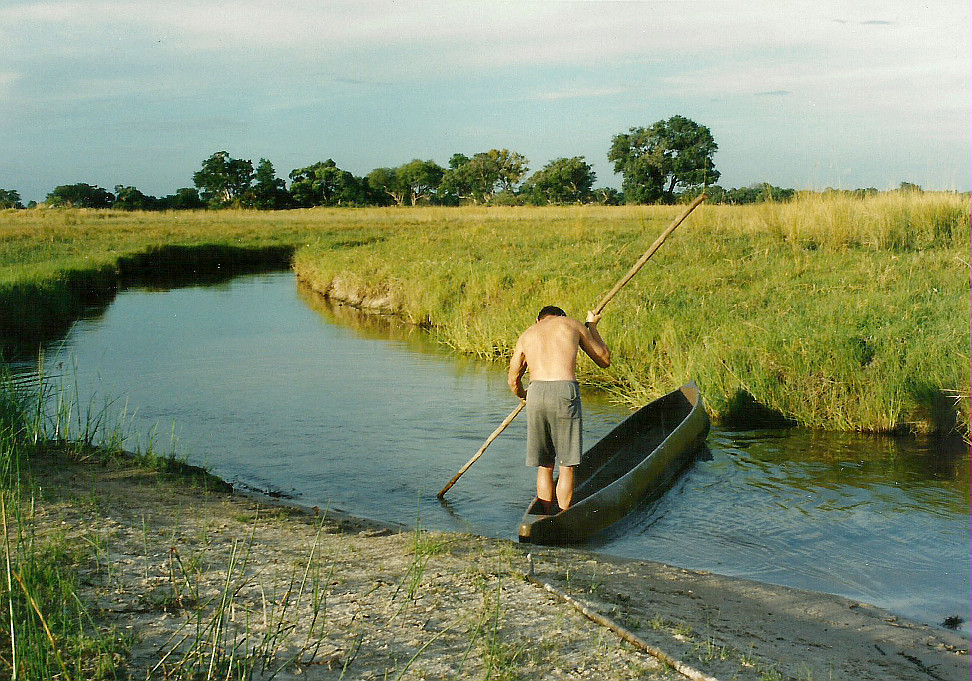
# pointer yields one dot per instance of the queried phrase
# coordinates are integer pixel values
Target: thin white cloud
(865, 86)
(448, 37)
(578, 93)
(537, 30)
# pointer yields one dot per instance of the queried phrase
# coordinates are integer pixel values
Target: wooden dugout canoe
(635, 463)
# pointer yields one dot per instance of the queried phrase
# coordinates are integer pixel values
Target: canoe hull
(635, 463)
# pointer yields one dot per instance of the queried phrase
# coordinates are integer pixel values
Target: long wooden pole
(650, 252)
(600, 307)
(482, 450)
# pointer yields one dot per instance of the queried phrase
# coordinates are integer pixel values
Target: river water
(271, 388)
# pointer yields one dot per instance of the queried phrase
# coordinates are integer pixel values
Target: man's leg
(545, 484)
(565, 487)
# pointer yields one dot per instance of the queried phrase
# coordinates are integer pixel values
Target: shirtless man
(549, 350)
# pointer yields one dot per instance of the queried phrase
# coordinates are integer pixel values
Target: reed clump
(48, 632)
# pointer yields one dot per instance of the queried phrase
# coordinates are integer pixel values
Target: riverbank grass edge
(840, 314)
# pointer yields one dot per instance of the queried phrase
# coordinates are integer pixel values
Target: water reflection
(368, 325)
(271, 387)
(833, 461)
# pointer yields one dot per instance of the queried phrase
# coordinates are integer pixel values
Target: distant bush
(80, 195)
(10, 199)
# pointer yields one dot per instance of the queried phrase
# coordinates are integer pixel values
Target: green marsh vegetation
(55, 264)
(828, 311)
(50, 630)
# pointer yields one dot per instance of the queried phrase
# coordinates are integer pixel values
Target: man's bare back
(549, 350)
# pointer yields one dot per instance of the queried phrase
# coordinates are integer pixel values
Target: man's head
(551, 311)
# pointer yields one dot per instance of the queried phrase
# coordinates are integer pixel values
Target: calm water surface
(268, 387)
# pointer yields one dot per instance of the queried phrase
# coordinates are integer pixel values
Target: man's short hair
(549, 310)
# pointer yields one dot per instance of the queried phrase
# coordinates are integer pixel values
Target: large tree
(185, 198)
(563, 180)
(269, 192)
(455, 184)
(670, 155)
(324, 184)
(131, 198)
(388, 183)
(479, 178)
(223, 180)
(421, 179)
(511, 167)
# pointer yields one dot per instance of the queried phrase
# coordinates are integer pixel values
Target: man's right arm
(592, 343)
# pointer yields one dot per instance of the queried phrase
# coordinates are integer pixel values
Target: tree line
(667, 162)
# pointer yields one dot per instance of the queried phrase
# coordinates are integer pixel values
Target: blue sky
(800, 94)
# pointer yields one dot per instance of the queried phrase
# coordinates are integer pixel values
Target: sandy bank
(187, 570)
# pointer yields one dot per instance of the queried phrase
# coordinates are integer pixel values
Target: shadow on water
(380, 326)
(744, 412)
(940, 407)
(33, 314)
(169, 267)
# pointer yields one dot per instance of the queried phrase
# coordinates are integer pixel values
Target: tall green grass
(830, 312)
(47, 631)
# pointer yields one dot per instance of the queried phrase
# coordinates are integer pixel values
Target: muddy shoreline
(315, 594)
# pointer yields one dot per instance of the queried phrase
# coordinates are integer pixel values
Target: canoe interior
(635, 462)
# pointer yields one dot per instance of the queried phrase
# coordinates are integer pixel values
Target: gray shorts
(553, 423)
